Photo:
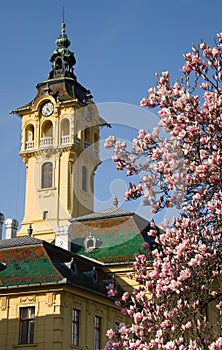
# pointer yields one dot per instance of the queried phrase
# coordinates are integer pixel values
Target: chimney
(63, 237)
(11, 226)
(1, 223)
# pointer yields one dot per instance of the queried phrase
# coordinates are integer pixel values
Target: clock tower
(59, 146)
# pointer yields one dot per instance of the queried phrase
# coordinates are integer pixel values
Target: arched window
(96, 137)
(96, 143)
(87, 137)
(29, 136)
(65, 127)
(58, 63)
(78, 134)
(46, 134)
(47, 129)
(84, 178)
(47, 175)
(65, 131)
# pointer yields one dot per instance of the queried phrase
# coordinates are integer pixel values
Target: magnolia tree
(178, 301)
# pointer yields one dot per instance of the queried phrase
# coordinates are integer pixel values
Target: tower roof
(62, 84)
(62, 58)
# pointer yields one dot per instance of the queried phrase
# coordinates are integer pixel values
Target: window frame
(117, 333)
(97, 332)
(75, 326)
(26, 325)
(46, 176)
(84, 178)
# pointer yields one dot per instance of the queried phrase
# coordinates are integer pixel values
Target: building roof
(107, 213)
(113, 235)
(29, 261)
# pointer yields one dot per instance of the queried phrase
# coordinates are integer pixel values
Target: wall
(53, 317)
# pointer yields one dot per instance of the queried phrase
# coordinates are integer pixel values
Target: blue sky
(118, 45)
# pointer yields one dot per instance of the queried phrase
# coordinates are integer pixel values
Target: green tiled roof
(27, 265)
(116, 253)
(30, 261)
(117, 238)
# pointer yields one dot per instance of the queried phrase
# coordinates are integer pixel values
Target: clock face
(47, 109)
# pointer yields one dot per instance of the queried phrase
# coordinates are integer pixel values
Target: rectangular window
(45, 215)
(117, 336)
(97, 332)
(75, 327)
(47, 175)
(84, 178)
(27, 320)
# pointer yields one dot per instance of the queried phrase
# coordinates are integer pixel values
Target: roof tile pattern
(27, 265)
(30, 262)
(118, 238)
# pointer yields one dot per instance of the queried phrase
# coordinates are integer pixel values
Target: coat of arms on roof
(90, 243)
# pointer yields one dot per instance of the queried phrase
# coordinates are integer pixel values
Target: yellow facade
(43, 288)
(53, 318)
(68, 141)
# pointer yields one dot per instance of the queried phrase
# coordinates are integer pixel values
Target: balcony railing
(65, 140)
(29, 145)
(46, 141)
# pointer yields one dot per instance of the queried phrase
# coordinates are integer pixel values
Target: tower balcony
(68, 139)
(29, 145)
(46, 141)
(65, 140)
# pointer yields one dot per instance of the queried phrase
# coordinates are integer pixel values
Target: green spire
(62, 59)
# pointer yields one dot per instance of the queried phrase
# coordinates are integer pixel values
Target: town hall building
(54, 272)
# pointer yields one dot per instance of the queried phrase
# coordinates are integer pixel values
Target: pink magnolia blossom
(179, 275)
(110, 333)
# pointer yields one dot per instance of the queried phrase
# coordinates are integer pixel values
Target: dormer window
(90, 243)
(73, 266)
(94, 275)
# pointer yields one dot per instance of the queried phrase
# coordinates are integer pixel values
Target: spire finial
(115, 202)
(63, 14)
(30, 230)
(63, 22)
